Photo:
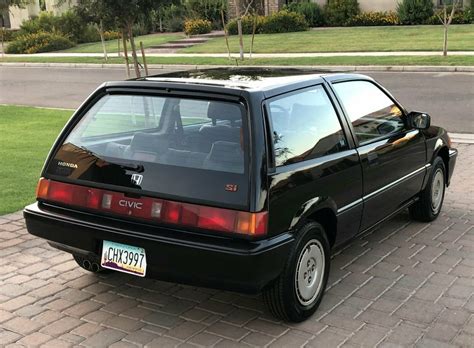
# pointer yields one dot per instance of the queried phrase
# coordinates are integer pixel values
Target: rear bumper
(238, 265)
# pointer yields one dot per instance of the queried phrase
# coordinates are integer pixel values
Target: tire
(289, 297)
(90, 264)
(428, 207)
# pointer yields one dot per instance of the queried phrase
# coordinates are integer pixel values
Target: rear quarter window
(304, 126)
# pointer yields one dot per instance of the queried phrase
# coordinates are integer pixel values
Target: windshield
(196, 141)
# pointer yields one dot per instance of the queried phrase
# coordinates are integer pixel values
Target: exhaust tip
(95, 267)
(86, 264)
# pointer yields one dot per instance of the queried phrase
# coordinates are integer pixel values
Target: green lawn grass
(353, 39)
(27, 134)
(349, 61)
(111, 45)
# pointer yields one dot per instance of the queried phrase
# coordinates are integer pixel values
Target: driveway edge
(361, 68)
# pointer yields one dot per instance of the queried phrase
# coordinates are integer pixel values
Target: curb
(389, 68)
(462, 138)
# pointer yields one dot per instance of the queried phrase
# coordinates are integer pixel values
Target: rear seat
(147, 147)
(183, 158)
(225, 156)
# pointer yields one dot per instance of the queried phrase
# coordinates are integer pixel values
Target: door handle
(372, 158)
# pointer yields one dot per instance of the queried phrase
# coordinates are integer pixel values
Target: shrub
(39, 42)
(247, 25)
(312, 12)
(140, 28)
(415, 11)
(46, 21)
(90, 34)
(173, 18)
(339, 12)
(8, 34)
(283, 22)
(197, 26)
(207, 9)
(69, 24)
(112, 35)
(278, 22)
(374, 19)
(469, 14)
(460, 17)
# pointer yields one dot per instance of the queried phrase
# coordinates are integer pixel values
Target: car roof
(262, 79)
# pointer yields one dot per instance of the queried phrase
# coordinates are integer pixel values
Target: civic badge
(136, 179)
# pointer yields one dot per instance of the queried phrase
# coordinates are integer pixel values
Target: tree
(124, 14)
(95, 12)
(5, 6)
(243, 7)
(446, 21)
(127, 13)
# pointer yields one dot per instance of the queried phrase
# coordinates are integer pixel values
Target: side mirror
(418, 120)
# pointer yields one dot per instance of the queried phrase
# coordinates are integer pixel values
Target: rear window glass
(178, 148)
(170, 131)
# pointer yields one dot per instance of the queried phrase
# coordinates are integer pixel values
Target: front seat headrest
(224, 111)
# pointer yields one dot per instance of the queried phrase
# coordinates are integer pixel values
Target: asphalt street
(447, 97)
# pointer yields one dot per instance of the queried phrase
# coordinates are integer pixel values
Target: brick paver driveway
(407, 283)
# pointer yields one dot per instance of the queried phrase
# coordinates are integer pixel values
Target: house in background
(17, 15)
(271, 6)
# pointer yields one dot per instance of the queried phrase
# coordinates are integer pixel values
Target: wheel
(428, 207)
(297, 292)
(90, 264)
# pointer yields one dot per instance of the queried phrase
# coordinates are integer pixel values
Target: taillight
(170, 212)
(42, 189)
(449, 140)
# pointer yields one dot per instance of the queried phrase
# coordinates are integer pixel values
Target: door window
(372, 113)
(305, 126)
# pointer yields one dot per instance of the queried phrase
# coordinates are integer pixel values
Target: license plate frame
(115, 254)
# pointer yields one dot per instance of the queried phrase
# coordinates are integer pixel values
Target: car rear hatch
(160, 158)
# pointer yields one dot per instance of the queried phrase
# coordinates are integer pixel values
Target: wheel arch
(328, 219)
(443, 152)
(321, 210)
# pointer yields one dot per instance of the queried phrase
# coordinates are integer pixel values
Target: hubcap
(437, 190)
(309, 272)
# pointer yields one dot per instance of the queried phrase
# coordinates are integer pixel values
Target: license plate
(123, 258)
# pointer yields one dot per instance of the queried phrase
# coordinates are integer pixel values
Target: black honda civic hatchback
(239, 179)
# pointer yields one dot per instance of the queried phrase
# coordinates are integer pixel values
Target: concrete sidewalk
(316, 68)
(258, 55)
(405, 284)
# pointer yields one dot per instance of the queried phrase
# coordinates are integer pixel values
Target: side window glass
(372, 113)
(305, 126)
